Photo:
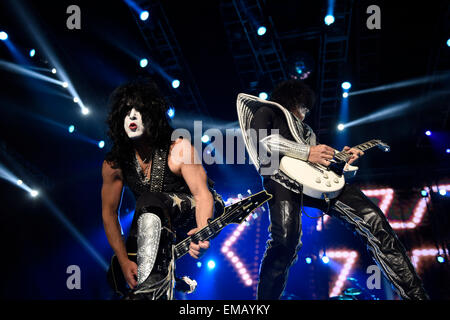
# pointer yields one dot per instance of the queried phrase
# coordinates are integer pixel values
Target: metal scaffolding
(332, 60)
(259, 59)
(167, 57)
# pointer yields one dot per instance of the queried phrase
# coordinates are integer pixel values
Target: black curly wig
(145, 97)
(292, 94)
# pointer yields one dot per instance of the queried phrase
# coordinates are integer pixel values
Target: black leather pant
(358, 213)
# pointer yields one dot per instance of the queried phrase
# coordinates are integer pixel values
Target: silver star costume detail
(192, 200)
(176, 200)
(149, 233)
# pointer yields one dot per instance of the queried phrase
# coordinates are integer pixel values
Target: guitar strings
(343, 154)
(203, 231)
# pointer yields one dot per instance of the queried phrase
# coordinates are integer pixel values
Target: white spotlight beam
(394, 110)
(9, 176)
(30, 23)
(26, 72)
(402, 84)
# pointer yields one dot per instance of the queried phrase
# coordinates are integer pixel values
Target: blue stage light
(3, 35)
(263, 95)
(143, 63)
(440, 259)
(144, 15)
(211, 264)
(71, 128)
(442, 192)
(341, 127)
(308, 260)
(171, 113)
(325, 259)
(199, 264)
(424, 193)
(329, 19)
(346, 85)
(101, 144)
(448, 43)
(448, 150)
(428, 133)
(345, 95)
(32, 53)
(205, 138)
(175, 83)
(261, 31)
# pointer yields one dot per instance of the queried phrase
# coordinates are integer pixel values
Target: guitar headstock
(240, 210)
(383, 146)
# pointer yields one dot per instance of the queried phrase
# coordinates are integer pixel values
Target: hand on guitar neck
(353, 153)
(322, 154)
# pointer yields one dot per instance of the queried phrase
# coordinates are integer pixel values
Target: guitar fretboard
(204, 234)
(344, 155)
(234, 213)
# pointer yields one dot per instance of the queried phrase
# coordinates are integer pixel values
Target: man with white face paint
(133, 124)
(173, 194)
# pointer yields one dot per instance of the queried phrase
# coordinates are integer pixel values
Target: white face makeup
(133, 124)
(301, 113)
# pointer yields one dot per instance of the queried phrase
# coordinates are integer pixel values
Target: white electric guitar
(320, 181)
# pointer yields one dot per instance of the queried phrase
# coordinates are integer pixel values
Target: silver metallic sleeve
(149, 234)
(283, 146)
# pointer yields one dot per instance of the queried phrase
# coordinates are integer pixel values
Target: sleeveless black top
(138, 183)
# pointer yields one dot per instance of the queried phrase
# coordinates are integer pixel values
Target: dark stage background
(216, 54)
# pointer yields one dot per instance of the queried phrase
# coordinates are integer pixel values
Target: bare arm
(111, 194)
(195, 176)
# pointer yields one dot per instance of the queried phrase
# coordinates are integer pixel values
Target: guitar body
(115, 276)
(317, 180)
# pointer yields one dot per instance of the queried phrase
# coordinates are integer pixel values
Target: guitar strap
(158, 169)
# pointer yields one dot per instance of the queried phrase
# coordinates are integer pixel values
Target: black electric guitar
(234, 213)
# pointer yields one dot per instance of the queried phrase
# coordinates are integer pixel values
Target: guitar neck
(212, 229)
(234, 213)
(367, 145)
(344, 155)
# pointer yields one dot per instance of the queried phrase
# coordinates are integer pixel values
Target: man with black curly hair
(290, 102)
(168, 181)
